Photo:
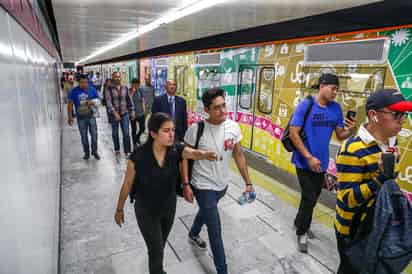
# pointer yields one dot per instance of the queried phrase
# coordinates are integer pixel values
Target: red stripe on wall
(23, 12)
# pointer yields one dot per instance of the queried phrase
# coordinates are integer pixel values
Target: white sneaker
(303, 243)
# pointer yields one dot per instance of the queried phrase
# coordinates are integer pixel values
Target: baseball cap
(390, 98)
(83, 76)
(328, 79)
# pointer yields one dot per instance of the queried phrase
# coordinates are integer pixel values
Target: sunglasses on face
(395, 114)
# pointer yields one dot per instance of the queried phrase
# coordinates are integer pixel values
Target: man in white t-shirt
(210, 179)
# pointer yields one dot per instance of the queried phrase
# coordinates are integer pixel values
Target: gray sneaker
(310, 233)
(303, 243)
(198, 242)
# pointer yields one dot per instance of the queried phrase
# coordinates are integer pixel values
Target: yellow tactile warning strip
(322, 214)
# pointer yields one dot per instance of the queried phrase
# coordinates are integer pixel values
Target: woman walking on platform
(151, 176)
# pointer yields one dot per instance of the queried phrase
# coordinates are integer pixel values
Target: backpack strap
(200, 128)
(305, 118)
(199, 133)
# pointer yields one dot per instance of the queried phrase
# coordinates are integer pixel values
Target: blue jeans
(209, 215)
(124, 124)
(88, 125)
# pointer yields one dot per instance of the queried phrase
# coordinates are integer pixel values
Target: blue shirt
(319, 127)
(78, 96)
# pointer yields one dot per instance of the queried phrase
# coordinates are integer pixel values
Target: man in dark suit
(175, 106)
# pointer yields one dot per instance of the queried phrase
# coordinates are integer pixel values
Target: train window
(266, 88)
(354, 80)
(247, 76)
(180, 77)
(211, 74)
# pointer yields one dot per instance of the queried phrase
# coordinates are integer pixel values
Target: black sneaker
(303, 243)
(86, 156)
(96, 156)
(198, 242)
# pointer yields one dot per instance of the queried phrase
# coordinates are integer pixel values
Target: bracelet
(249, 184)
(185, 184)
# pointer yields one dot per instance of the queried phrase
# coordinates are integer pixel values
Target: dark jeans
(209, 215)
(124, 124)
(155, 228)
(136, 137)
(88, 125)
(345, 267)
(311, 185)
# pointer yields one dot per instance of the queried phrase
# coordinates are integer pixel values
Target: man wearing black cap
(311, 156)
(359, 165)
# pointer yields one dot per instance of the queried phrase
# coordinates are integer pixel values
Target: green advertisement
(400, 58)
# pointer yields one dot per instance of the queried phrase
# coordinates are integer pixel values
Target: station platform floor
(259, 237)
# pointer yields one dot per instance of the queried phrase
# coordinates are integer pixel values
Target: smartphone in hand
(388, 161)
(351, 115)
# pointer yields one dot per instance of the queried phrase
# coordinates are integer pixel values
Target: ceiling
(84, 26)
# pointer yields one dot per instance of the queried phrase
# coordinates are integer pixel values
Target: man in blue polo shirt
(311, 157)
(84, 99)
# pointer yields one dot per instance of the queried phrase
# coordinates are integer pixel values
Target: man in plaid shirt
(119, 106)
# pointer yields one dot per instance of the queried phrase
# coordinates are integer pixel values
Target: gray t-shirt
(213, 175)
(148, 95)
(137, 101)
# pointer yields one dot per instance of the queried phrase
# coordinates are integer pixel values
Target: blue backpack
(387, 249)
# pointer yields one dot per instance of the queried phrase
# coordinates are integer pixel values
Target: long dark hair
(155, 123)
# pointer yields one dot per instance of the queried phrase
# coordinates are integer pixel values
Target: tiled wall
(29, 153)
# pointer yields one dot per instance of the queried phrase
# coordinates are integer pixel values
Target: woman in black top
(151, 176)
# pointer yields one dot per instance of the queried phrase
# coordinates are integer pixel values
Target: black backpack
(286, 141)
(179, 186)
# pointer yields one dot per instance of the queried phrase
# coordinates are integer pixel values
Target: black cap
(390, 98)
(83, 76)
(328, 79)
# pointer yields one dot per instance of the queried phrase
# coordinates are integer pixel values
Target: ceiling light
(5, 50)
(189, 8)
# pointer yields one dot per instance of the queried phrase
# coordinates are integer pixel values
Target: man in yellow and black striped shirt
(359, 165)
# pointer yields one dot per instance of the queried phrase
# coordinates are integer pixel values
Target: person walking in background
(97, 82)
(106, 84)
(151, 176)
(84, 99)
(148, 93)
(175, 106)
(139, 107)
(68, 85)
(119, 105)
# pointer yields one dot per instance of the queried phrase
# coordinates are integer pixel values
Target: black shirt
(154, 187)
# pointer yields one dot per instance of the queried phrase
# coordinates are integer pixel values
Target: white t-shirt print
(214, 175)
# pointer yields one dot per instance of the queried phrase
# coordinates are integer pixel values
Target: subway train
(265, 82)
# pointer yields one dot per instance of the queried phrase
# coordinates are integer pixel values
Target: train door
(256, 87)
(159, 80)
(180, 78)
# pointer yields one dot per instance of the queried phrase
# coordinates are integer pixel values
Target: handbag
(286, 140)
(179, 185)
